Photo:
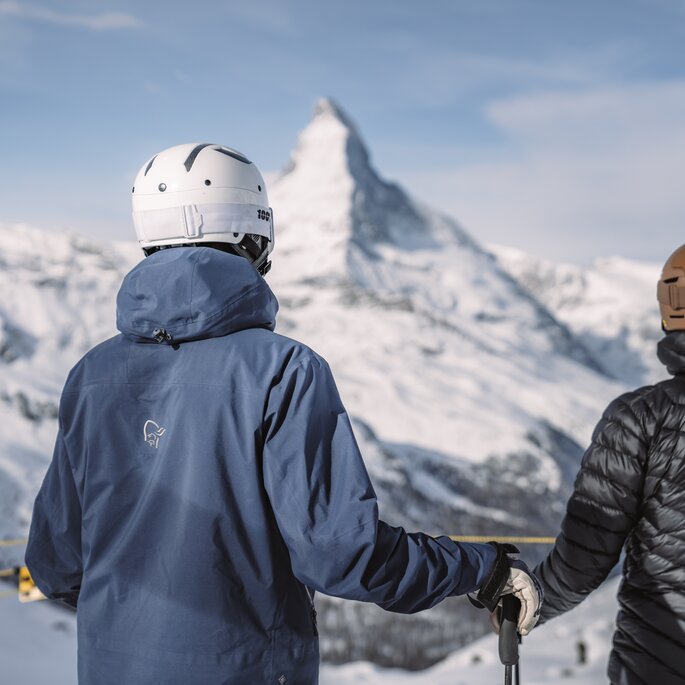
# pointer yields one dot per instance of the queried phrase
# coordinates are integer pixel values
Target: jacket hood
(188, 293)
(671, 352)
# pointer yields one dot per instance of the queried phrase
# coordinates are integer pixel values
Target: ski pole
(509, 638)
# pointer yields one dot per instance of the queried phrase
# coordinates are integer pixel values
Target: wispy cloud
(271, 16)
(91, 22)
(589, 173)
(439, 75)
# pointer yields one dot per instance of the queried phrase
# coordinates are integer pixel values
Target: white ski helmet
(202, 193)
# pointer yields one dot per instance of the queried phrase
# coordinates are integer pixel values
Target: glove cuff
(491, 590)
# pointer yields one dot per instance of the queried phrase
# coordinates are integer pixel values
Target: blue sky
(558, 127)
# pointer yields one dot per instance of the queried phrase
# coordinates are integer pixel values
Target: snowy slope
(610, 305)
(442, 356)
(547, 655)
(470, 400)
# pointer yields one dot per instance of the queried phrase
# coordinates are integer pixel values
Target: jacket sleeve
(53, 553)
(603, 508)
(327, 512)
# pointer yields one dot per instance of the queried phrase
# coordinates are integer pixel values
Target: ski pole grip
(508, 632)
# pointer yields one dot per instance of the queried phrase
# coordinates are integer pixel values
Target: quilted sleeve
(603, 508)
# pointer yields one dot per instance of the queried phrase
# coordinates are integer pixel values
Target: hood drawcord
(161, 335)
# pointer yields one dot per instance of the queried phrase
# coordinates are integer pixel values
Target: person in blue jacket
(206, 480)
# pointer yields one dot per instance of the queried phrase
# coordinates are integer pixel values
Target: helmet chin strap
(246, 248)
(263, 263)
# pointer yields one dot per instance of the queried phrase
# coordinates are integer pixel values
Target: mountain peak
(342, 201)
(328, 107)
(329, 144)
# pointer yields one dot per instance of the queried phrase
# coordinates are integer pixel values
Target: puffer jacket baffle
(630, 492)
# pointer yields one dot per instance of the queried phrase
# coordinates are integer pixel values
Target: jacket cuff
(491, 590)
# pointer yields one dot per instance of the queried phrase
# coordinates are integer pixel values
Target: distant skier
(206, 479)
(630, 492)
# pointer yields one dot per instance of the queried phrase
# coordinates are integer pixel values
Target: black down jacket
(630, 492)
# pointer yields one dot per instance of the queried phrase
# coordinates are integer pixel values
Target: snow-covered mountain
(449, 367)
(610, 306)
(471, 400)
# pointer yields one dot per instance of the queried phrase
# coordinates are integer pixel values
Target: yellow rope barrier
(12, 543)
(521, 540)
(507, 538)
(26, 578)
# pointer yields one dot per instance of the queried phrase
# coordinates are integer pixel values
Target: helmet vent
(190, 159)
(671, 280)
(235, 155)
(208, 182)
(150, 163)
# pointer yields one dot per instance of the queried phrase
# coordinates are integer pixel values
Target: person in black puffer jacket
(630, 492)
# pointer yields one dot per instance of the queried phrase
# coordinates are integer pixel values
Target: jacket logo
(153, 432)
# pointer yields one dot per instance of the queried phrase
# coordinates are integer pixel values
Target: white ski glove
(526, 588)
(511, 576)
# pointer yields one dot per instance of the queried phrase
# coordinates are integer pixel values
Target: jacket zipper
(315, 626)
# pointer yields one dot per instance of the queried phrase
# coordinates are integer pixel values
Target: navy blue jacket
(202, 489)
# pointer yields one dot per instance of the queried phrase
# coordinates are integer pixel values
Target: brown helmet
(671, 292)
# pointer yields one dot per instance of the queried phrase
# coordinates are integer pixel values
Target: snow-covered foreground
(37, 644)
(38, 647)
(548, 655)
